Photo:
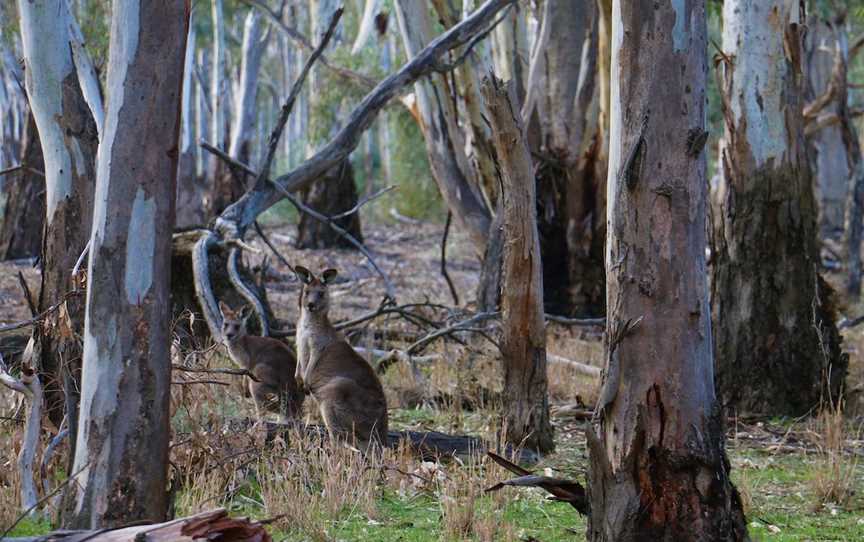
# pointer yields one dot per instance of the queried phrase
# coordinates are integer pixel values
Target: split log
(212, 525)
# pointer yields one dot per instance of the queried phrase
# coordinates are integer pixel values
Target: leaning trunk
(122, 447)
(777, 348)
(523, 349)
(69, 139)
(658, 466)
(24, 211)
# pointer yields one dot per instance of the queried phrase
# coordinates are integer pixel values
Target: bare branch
(246, 292)
(458, 326)
(233, 372)
(240, 215)
(203, 288)
(444, 259)
(20, 167)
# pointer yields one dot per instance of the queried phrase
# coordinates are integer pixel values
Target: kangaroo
(270, 361)
(348, 392)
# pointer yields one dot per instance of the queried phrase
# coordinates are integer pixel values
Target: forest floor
(799, 479)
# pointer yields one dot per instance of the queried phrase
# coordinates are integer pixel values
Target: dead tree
(69, 139)
(122, 447)
(658, 467)
(24, 213)
(523, 348)
(777, 348)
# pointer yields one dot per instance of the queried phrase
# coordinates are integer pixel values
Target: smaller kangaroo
(349, 394)
(270, 361)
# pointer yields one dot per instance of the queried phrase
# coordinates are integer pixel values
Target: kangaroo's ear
(225, 309)
(245, 312)
(328, 275)
(303, 274)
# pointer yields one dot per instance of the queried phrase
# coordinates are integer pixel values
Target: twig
(363, 201)
(190, 382)
(348, 74)
(309, 211)
(28, 297)
(272, 247)
(48, 454)
(233, 372)
(80, 259)
(41, 316)
(443, 67)
(444, 259)
(276, 134)
(576, 321)
(20, 167)
(458, 326)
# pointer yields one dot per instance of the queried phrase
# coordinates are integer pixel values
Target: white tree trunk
(190, 188)
(202, 115)
(122, 445)
(243, 125)
(217, 79)
(367, 24)
(87, 77)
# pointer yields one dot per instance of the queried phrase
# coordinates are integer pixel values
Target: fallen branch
(568, 491)
(575, 321)
(458, 326)
(233, 372)
(246, 292)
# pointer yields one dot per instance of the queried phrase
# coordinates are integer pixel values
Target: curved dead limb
(203, 286)
(246, 292)
(240, 215)
(48, 455)
(569, 491)
(458, 326)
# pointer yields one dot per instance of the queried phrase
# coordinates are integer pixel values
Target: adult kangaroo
(348, 392)
(270, 361)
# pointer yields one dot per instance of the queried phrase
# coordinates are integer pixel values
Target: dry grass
(834, 472)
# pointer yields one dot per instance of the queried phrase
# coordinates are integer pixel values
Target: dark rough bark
(122, 446)
(331, 195)
(228, 185)
(66, 235)
(777, 348)
(523, 349)
(658, 466)
(24, 214)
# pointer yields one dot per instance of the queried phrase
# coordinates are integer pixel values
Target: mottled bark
(523, 344)
(777, 348)
(24, 211)
(658, 467)
(122, 446)
(69, 139)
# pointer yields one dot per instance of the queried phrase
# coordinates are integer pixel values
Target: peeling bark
(777, 348)
(523, 350)
(658, 467)
(69, 140)
(121, 449)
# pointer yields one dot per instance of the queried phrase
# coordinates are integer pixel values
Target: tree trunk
(523, 349)
(571, 180)
(122, 447)
(444, 142)
(24, 212)
(829, 155)
(658, 467)
(335, 192)
(190, 189)
(69, 140)
(777, 348)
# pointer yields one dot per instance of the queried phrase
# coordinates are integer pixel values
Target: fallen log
(212, 525)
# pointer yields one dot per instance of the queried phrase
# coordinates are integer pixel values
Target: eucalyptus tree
(121, 451)
(658, 467)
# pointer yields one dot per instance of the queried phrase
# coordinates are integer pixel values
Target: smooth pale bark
(190, 189)
(69, 140)
(523, 330)
(122, 445)
(24, 211)
(242, 129)
(658, 467)
(777, 348)
(829, 163)
(439, 123)
(511, 49)
(367, 23)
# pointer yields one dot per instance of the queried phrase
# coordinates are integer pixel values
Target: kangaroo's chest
(239, 355)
